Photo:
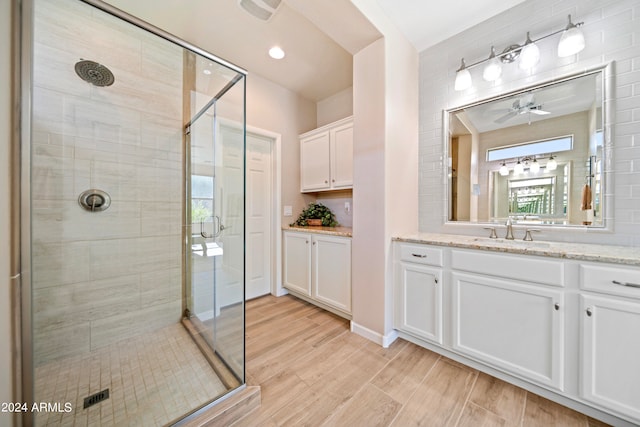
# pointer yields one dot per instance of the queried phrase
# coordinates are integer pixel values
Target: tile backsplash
(612, 34)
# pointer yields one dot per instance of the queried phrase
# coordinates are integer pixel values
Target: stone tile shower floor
(152, 380)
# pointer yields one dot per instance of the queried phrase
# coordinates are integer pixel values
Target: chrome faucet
(509, 225)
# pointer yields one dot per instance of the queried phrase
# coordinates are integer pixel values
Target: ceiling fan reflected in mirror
(524, 105)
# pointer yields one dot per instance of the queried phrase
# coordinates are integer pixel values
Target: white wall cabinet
(317, 267)
(326, 157)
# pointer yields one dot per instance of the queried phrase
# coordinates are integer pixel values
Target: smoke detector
(261, 9)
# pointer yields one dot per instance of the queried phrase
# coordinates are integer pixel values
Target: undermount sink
(511, 243)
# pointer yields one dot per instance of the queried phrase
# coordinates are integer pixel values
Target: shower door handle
(204, 233)
(219, 226)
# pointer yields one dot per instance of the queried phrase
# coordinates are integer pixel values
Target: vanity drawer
(420, 254)
(520, 267)
(610, 279)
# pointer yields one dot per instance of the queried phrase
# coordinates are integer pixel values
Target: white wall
(274, 108)
(612, 33)
(368, 245)
(385, 166)
(335, 107)
(6, 64)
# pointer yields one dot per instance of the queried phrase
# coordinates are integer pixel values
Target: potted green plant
(318, 212)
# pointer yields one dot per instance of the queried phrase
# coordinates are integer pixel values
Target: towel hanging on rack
(586, 198)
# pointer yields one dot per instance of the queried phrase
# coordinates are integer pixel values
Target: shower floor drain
(96, 398)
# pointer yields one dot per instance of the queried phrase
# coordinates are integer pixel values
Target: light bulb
(463, 77)
(493, 70)
(535, 166)
(530, 54)
(276, 52)
(518, 169)
(504, 170)
(552, 164)
(571, 41)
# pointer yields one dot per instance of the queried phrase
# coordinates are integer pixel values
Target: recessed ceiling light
(276, 52)
(206, 71)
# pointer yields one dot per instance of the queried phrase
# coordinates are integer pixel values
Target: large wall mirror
(535, 155)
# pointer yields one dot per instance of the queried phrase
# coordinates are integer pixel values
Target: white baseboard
(382, 340)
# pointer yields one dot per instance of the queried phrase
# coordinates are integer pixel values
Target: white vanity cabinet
(561, 324)
(501, 317)
(610, 337)
(326, 157)
(317, 268)
(418, 292)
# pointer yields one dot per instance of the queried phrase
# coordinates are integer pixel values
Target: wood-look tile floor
(314, 372)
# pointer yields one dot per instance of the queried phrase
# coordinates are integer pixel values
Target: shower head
(94, 73)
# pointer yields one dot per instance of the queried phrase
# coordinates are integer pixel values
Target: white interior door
(259, 206)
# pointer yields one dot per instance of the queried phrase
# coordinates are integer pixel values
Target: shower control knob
(94, 200)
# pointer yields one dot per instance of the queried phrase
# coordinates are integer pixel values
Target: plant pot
(314, 222)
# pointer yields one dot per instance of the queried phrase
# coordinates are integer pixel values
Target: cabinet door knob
(326, 182)
(556, 306)
(314, 243)
(306, 241)
(589, 311)
(333, 180)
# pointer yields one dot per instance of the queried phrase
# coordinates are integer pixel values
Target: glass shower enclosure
(132, 226)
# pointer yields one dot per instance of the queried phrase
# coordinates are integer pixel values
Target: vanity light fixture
(463, 77)
(493, 69)
(571, 42)
(551, 164)
(530, 54)
(504, 170)
(518, 169)
(535, 166)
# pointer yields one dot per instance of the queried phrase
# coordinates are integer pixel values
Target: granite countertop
(334, 231)
(578, 251)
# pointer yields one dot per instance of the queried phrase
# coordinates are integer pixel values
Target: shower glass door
(215, 255)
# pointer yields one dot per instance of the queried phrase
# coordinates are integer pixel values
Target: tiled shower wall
(101, 277)
(612, 33)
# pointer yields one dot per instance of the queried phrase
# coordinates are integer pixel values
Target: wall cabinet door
(315, 170)
(297, 262)
(332, 271)
(512, 326)
(610, 369)
(419, 295)
(326, 157)
(342, 156)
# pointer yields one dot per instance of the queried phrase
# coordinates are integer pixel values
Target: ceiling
(426, 23)
(319, 40)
